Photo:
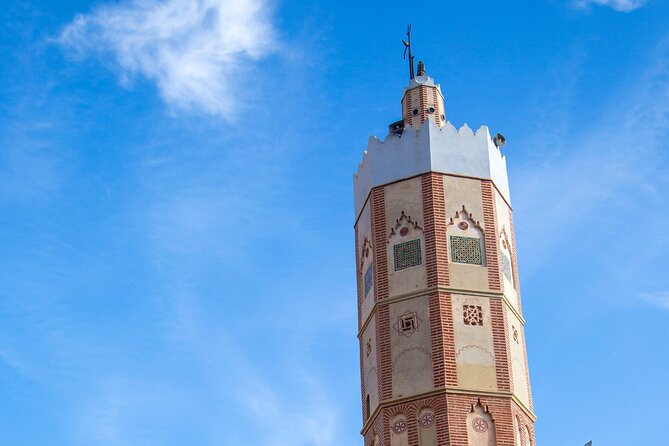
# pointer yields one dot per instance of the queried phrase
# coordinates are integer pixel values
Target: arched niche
(528, 437)
(427, 427)
(505, 258)
(480, 426)
(367, 268)
(406, 256)
(466, 240)
(406, 244)
(517, 430)
(399, 435)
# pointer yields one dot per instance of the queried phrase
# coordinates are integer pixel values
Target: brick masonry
(379, 238)
(436, 243)
(450, 409)
(491, 235)
(443, 340)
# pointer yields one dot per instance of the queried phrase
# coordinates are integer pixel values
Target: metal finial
(421, 68)
(407, 48)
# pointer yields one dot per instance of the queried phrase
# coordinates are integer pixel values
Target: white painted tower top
(428, 143)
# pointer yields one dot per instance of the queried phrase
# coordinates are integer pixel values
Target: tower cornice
(430, 148)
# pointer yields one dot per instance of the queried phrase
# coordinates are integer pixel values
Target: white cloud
(660, 300)
(596, 168)
(194, 50)
(617, 5)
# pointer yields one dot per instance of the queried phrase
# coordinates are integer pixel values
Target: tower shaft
(441, 333)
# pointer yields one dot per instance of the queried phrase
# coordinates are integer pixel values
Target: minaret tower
(442, 345)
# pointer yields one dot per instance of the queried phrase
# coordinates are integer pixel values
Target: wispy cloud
(659, 299)
(612, 164)
(195, 51)
(616, 5)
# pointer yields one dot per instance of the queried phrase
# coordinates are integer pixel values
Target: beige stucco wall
(411, 355)
(504, 224)
(465, 192)
(369, 365)
(474, 346)
(405, 196)
(518, 364)
(409, 279)
(466, 276)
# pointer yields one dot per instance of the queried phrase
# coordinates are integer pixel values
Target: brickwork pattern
(500, 410)
(450, 411)
(436, 242)
(379, 243)
(527, 373)
(516, 281)
(411, 409)
(524, 421)
(438, 112)
(383, 356)
(443, 340)
(501, 345)
(422, 107)
(378, 428)
(409, 105)
(491, 236)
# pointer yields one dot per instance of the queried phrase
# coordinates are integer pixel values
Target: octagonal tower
(442, 345)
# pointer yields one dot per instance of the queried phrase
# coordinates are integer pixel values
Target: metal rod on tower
(407, 48)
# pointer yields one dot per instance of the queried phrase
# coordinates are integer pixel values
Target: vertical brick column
(437, 112)
(412, 427)
(380, 428)
(458, 408)
(436, 245)
(443, 340)
(406, 108)
(491, 251)
(379, 243)
(501, 345)
(423, 103)
(527, 373)
(514, 260)
(502, 413)
(383, 359)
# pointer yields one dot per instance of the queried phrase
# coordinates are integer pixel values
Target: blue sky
(176, 244)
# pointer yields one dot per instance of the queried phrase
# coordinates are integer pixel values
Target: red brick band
(436, 245)
(410, 410)
(490, 219)
(383, 356)
(500, 410)
(443, 340)
(379, 243)
(438, 112)
(501, 345)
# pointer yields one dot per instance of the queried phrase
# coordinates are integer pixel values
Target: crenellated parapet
(430, 148)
